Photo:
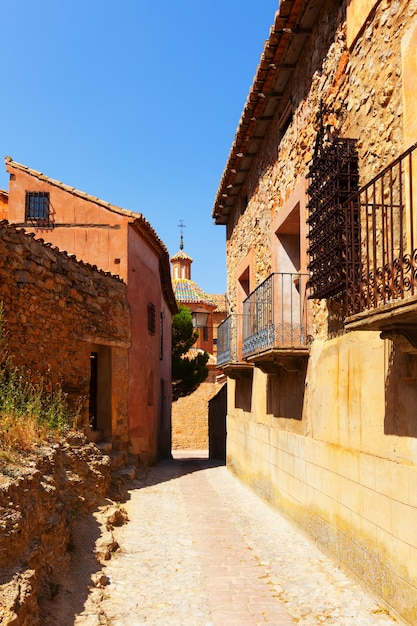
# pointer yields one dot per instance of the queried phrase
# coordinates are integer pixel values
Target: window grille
(161, 336)
(151, 318)
(37, 206)
(333, 179)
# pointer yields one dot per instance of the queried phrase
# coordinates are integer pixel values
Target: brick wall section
(56, 308)
(190, 418)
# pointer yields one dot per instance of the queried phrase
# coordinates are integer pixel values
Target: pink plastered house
(122, 243)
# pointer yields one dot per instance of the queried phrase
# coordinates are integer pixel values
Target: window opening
(161, 336)
(92, 409)
(151, 318)
(37, 206)
(333, 179)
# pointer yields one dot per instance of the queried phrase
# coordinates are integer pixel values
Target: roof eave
(72, 190)
(292, 26)
(145, 230)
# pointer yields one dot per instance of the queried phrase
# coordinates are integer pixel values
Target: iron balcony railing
(227, 344)
(381, 242)
(275, 315)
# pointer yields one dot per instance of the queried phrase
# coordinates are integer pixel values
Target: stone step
(95, 436)
(105, 447)
(118, 459)
(128, 472)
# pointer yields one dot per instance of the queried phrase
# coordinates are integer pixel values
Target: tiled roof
(181, 256)
(75, 192)
(139, 223)
(186, 290)
(219, 300)
(268, 96)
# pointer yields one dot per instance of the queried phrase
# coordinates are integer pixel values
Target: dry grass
(32, 409)
(20, 434)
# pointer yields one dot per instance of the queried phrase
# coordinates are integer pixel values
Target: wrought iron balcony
(229, 352)
(381, 249)
(276, 322)
(227, 340)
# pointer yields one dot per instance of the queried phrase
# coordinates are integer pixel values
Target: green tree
(187, 371)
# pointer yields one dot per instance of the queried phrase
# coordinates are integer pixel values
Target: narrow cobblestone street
(200, 549)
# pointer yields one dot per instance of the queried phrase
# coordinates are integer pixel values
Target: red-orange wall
(103, 237)
(147, 370)
(78, 225)
(4, 205)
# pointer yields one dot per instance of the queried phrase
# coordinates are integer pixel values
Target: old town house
(122, 243)
(318, 199)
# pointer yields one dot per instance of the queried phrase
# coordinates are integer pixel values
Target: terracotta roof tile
(186, 290)
(181, 255)
(139, 223)
(219, 300)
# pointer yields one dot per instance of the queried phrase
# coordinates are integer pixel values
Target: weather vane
(181, 226)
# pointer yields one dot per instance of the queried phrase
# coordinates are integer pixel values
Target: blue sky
(135, 102)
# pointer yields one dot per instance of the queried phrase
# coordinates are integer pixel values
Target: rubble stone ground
(201, 549)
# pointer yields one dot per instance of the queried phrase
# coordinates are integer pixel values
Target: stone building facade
(318, 199)
(122, 243)
(57, 313)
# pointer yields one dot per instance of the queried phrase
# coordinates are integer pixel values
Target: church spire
(181, 225)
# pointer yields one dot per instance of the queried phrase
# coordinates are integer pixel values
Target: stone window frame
(297, 202)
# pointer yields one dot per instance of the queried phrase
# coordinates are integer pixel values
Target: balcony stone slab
(238, 370)
(395, 320)
(271, 361)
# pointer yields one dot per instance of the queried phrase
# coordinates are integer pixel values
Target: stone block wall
(190, 427)
(56, 309)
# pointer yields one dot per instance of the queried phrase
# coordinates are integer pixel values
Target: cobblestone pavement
(201, 549)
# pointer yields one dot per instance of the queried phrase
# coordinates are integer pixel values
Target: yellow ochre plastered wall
(356, 13)
(336, 472)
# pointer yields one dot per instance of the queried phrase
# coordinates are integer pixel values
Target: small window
(205, 333)
(37, 206)
(161, 336)
(151, 318)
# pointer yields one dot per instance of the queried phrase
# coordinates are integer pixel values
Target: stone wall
(361, 89)
(190, 418)
(56, 309)
(37, 506)
(344, 466)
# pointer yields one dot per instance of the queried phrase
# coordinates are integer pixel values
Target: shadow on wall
(74, 588)
(243, 394)
(217, 425)
(401, 393)
(285, 393)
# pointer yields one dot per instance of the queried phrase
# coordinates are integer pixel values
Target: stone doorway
(100, 391)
